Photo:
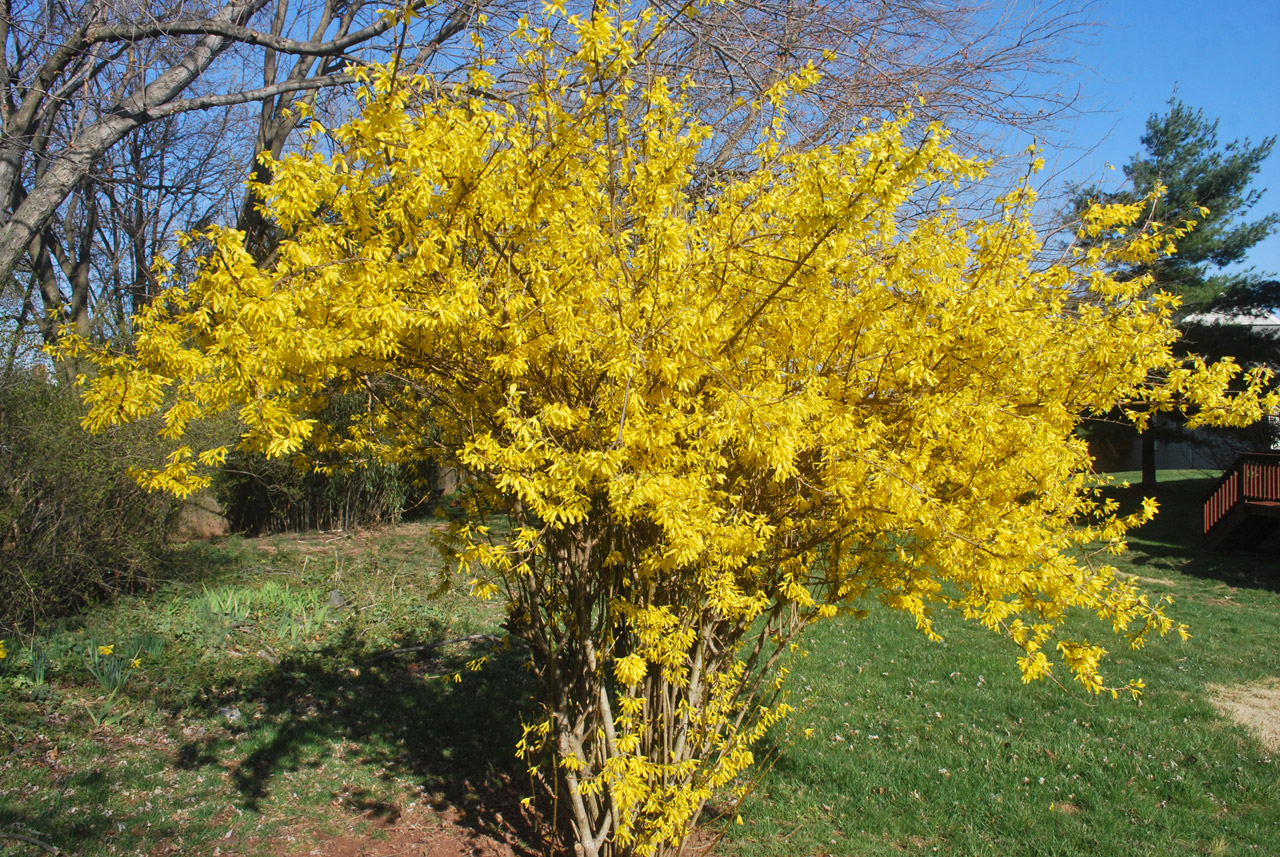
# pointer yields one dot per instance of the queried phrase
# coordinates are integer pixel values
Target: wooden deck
(1242, 510)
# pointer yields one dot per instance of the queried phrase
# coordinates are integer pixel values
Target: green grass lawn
(260, 718)
(267, 717)
(922, 748)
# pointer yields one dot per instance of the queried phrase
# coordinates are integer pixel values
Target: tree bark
(33, 213)
(1149, 458)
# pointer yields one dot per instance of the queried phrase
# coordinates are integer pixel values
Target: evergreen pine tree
(1181, 150)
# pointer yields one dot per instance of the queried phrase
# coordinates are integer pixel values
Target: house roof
(1264, 320)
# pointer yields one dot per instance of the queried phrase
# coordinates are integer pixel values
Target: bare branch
(247, 36)
(227, 99)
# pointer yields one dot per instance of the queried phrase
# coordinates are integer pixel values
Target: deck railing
(1255, 476)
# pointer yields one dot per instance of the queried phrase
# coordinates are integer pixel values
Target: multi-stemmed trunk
(694, 714)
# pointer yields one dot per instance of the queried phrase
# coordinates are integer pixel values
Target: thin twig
(31, 840)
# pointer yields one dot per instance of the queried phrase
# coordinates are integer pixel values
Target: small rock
(336, 601)
(232, 714)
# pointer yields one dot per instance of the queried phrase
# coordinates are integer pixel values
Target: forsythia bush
(711, 417)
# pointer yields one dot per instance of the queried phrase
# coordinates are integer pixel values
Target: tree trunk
(1149, 458)
(53, 186)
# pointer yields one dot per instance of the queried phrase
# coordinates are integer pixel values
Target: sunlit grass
(920, 747)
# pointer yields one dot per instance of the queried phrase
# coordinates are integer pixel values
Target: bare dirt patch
(1153, 581)
(1254, 706)
(417, 832)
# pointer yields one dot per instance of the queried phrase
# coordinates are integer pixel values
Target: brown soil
(424, 832)
(1256, 707)
(414, 832)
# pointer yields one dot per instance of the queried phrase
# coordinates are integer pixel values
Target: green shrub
(73, 526)
(258, 494)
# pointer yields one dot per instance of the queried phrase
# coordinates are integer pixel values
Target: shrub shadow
(455, 740)
(1174, 540)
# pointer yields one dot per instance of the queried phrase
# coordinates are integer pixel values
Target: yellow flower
(4, 653)
(630, 669)
(135, 663)
(105, 650)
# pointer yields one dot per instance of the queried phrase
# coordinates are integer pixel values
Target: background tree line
(125, 123)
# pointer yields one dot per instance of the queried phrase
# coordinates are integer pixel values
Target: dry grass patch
(1254, 706)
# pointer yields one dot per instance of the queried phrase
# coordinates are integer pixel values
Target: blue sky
(1222, 56)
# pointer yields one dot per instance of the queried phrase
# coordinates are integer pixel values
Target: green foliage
(113, 663)
(39, 665)
(73, 526)
(279, 611)
(1249, 297)
(1181, 151)
(112, 669)
(29, 666)
(260, 494)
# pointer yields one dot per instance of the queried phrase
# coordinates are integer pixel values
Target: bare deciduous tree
(982, 67)
(124, 120)
(78, 80)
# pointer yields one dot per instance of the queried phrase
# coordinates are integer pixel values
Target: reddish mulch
(424, 832)
(494, 825)
(419, 832)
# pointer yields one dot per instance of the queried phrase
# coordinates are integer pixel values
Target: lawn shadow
(202, 562)
(1174, 540)
(30, 832)
(406, 718)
